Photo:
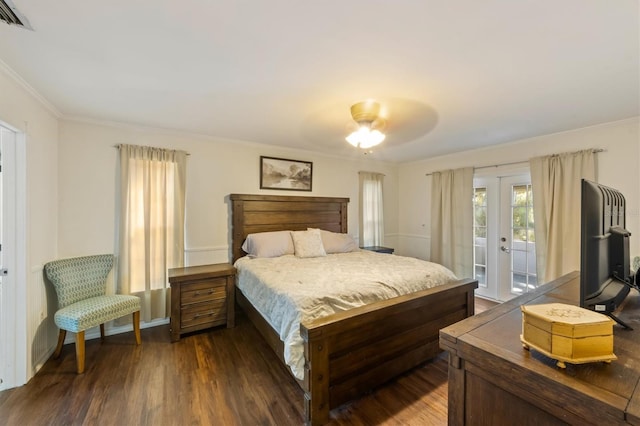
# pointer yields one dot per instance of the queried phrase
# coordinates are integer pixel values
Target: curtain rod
(373, 173)
(118, 147)
(595, 151)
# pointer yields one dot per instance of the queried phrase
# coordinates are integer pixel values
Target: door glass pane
(481, 275)
(520, 195)
(519, 217)
(520, 234)
(523, 254)
(480, 235)
(481, 216)
(481, 255)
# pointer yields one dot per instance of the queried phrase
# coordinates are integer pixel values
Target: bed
(348, 353)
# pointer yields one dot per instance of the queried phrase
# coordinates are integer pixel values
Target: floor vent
(12, 16)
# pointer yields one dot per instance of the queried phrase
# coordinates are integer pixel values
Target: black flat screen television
(604, 259)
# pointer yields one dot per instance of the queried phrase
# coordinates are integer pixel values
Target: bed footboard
(354, 351)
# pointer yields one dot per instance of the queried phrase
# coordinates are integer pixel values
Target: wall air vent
(12, 16)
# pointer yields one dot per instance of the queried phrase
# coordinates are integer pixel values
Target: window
(371, 209)
(151, 224)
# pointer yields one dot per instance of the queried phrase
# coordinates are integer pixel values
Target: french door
(504, 239)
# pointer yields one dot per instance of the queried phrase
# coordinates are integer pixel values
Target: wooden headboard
(262, 213)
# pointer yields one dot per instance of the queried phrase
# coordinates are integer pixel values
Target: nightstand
(201, 297)
(379, 249)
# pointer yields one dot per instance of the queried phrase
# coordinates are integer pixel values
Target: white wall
(215, 169)
(618, 167)
(37, 126)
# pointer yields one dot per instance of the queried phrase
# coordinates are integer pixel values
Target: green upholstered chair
(81, 285)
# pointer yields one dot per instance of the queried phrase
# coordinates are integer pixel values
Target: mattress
(288, 290)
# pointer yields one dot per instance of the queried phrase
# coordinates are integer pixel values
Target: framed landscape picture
(280, 173)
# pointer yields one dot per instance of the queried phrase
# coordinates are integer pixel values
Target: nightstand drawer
(203, 291)
(204, 313)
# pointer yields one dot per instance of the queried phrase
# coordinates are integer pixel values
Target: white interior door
(8, 220)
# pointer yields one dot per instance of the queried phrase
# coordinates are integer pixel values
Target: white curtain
(452, 220)
(555, 181)
(151, 224)
(371, 209)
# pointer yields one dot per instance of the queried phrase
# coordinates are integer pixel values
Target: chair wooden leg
(61, 336)
(102, 332)
(80, 351)
(136, 326)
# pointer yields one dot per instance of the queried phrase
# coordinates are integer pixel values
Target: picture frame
(285, 174)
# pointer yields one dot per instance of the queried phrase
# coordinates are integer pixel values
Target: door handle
(505, 249)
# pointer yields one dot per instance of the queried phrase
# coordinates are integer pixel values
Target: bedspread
(288, 290)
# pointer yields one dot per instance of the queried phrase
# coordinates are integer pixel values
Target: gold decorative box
(567, 333)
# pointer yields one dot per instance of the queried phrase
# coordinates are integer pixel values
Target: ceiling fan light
(353, 139)
(364, 137)
(366, 114)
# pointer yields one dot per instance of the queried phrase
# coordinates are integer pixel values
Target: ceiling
(451, 75)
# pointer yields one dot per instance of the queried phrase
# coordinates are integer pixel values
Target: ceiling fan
(370, 125)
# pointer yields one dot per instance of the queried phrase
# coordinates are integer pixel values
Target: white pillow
(268, 244)
(335, 242)
(308, 243)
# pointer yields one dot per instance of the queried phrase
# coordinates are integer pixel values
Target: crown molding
(4, 67)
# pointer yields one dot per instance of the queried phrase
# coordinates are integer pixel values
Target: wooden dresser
(201, 297)
(493, 380)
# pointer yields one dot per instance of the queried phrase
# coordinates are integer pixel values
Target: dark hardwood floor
(218, 377)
